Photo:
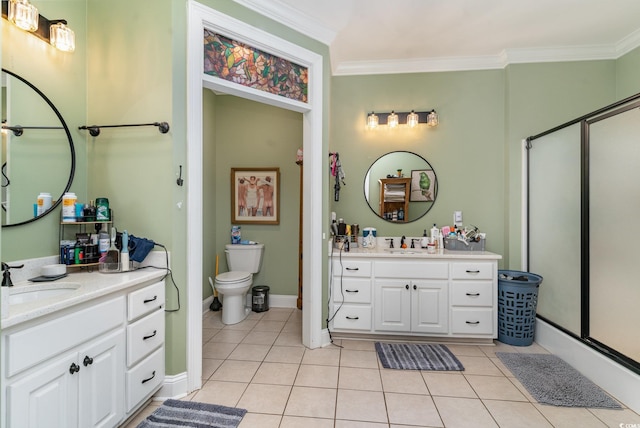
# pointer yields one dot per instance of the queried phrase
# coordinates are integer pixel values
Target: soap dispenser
(425, 240)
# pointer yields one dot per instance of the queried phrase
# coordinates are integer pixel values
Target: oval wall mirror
(400, 187)
(38, 154)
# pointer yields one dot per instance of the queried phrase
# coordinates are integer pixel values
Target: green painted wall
(627, 80)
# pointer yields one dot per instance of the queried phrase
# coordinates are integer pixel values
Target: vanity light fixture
(394, 119)
(25, 16)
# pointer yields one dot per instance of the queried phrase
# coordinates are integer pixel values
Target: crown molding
(628, 43)
(292, 18)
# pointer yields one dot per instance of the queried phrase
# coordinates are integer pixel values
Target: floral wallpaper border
(245, 65)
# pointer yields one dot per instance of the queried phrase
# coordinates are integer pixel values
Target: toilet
(243, 262)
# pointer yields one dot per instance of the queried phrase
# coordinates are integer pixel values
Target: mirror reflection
(38, 155)
(400, 187)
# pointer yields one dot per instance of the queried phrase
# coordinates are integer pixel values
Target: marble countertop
(413, 253)
(89, 286)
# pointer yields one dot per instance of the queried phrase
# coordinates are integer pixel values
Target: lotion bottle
(425, 240)
(124, 253)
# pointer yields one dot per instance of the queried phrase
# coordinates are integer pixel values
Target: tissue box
(455, 245)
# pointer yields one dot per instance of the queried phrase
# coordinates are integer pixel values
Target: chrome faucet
(6, 275)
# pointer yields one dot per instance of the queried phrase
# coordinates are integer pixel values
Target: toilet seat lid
(233, 276)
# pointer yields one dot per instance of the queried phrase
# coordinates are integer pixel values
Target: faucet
(6, 275)
(390, 242)
(413, 242)
(402, 244)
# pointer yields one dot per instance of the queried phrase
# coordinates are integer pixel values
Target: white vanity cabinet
(449, 294)
(411, 296)
(82, 366)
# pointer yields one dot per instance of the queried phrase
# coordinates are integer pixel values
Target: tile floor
(261, 365)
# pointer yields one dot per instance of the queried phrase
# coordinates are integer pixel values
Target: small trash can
(260, 298)
(517, 303)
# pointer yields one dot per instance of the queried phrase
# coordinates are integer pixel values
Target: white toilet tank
(245, 258)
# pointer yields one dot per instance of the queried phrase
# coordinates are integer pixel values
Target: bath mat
(175, 413)
(552, 381)
(416, 357)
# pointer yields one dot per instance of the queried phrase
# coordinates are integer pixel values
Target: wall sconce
(25, 16)
(411, 119)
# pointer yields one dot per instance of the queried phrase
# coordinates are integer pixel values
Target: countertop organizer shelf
(83, 227)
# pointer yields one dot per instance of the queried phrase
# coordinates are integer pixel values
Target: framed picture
(255, 195)
(423, 185)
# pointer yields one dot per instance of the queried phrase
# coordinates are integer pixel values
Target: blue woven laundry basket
(517, 302)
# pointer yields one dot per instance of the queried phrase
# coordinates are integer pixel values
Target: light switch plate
(457, 217)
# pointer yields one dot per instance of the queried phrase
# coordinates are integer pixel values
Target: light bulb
(62, 37)
(23, 14)
(372, 121)
(432, 118)
(412, 119)
(392, 121)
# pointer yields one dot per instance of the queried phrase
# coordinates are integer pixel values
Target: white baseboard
(174, 386)
(617, 380)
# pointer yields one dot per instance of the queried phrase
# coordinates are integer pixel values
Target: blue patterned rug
(176, 413)
(417, 357)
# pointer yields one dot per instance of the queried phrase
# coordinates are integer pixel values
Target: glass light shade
(392, 120)
(412, 119)
(23, 14)
(372, 121)
(432, 118)
(62, 37)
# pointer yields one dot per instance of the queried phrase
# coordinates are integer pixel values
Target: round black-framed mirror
(400, 186)
(17, 130)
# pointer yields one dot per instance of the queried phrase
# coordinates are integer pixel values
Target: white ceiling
(402, 36)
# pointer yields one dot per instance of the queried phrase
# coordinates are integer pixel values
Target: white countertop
(413, 253)
(91, 285)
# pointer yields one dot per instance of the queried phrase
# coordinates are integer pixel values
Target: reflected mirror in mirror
(400, 187)
(38, 155)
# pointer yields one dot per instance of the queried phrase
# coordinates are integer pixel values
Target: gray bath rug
(550, 380)
(176, 413)
(416, 357)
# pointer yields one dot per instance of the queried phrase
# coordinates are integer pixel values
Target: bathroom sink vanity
(88, 357)
(449, 294)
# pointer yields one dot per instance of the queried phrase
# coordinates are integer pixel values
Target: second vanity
(85, 351)
(409, 292)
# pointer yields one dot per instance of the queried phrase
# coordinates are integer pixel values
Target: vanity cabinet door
(101, 394)
(429, 307)
(392, 305)
(45, 398)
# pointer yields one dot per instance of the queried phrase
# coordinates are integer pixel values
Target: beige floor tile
(500, 365)
(448, 385)
(141, 416)
(218, 351)
(221, 393)
(292, 327)
(311, 402)
(208, 333)
(246, 324)
(236, 371)
(255, 315)
(359, 345)
(403, 381)
(368, 406)
(229, 336)
(246, 352)
(270, 399)
(359, 424)
(260, 420)
(360, 359)
(212, 322)
(479, 366)
(329, 356)
(209, 366)
(277, 314)
(466, 350)
(522, 389)
(276, 373)
(289, 339)
(411, 409)
(613, 417)
(511, 414)
(463, 412)
(361, 379)
(260, 337)
(534, 348)
(569, 417)
(317, 376)
(271, 326)
(490, 351)
(494, 388)
(299, 422)
(285, 354)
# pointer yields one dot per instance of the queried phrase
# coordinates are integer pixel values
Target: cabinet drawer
(472, 321)
(143, 336)
(29, 347)
(472, 293)
(145, 300)
(352, 290)
(348, 267)
(352, 317)
(144, 378)
(479, 270)
(412, 269)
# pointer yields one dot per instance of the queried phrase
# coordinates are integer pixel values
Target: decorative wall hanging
(245, 65)
(255, 195)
